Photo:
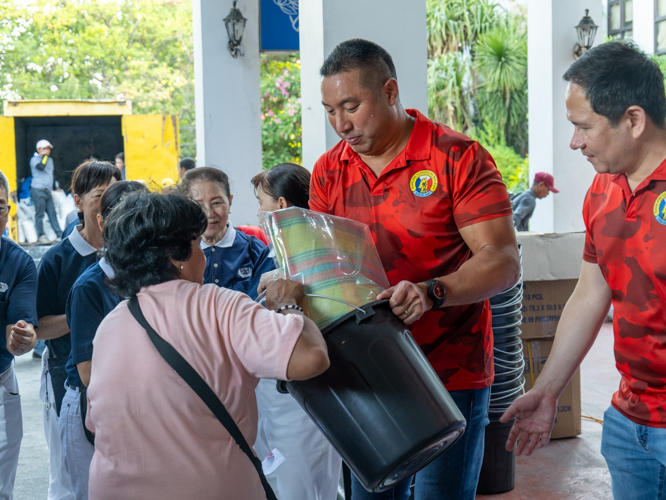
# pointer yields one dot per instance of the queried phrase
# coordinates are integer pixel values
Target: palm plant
(501, 64)
(449, 99)
(453, 25)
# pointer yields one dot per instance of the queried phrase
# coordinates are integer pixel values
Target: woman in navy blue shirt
(89, 301)
(234, 260)
(58, 270)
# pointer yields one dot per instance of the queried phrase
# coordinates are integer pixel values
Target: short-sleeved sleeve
(22, 301)
(318, 199)
(589, 250)
(47, 296)
(263, 340)
(85, 312)
(478, 192)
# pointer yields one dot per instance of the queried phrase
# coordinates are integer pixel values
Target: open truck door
(8, 167)
(151, 148)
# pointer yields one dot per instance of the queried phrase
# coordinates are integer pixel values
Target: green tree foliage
(281, 109)
(101, 49)
(477, 77)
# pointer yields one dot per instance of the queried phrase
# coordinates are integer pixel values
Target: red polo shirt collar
(418, 147)
(658, 175)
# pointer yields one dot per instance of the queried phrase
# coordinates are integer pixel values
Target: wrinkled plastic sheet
(333, 257)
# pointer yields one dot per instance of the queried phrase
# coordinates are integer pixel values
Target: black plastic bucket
(498, 472)
(380, 404)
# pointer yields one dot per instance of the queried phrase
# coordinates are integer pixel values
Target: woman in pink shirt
(155, 437)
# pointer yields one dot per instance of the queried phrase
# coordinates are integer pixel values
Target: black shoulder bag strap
(199, 385)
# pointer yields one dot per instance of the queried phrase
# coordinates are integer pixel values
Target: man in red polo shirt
(616, 102)
(441, 218)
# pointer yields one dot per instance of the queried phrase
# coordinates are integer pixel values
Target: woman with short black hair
(58, 270)
(154, 436)
(89, 302)
(234, 259)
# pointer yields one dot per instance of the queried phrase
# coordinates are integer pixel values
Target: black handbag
(199, 385)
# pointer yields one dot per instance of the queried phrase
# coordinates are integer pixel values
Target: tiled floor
(572, 469)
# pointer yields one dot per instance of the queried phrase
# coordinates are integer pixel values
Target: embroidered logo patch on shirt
(4, 287)
(423, 183)
(660, 209)
(245, 272)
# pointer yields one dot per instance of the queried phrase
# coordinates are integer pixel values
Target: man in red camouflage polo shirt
(616, 102)
(441, 218)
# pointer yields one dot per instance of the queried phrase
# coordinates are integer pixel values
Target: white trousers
(78, 451)
(11, 431)
(60, 486)
(312, 467)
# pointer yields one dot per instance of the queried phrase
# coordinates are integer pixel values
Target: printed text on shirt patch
(245, 272)
(423, 183)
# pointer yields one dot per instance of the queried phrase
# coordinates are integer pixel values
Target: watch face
(439, 290)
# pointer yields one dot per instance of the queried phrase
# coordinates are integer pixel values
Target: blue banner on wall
(279, 25)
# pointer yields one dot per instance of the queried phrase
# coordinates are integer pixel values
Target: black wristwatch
(436, 293)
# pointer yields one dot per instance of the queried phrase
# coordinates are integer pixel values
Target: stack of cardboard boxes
(551, 266)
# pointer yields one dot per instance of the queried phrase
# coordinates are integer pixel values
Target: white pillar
(551, 38)
(228, 122)
(396, 25)
(644, 29)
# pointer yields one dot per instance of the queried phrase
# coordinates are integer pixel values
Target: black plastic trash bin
(380, 404)
(498, 472)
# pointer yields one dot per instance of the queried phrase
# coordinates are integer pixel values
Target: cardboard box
(568, 419)
(551, 266)
(543, 303)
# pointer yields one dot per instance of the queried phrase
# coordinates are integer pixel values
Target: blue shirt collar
(227, 240)
(82, 247)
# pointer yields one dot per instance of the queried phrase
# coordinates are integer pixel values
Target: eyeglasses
(4, 211)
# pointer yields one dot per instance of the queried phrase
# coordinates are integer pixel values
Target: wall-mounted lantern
(586, 31)
(235, 24)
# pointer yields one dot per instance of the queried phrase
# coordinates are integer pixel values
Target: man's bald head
(374, 64)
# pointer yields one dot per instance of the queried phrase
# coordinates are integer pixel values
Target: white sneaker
(43, 240)
(57, 240)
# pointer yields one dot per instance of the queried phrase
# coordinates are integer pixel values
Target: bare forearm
(576, 332)
(52, 327)
(486, 274)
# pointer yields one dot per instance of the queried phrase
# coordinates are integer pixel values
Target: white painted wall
(551, 38)
(228, 123)
(396, 25)
(644, 29)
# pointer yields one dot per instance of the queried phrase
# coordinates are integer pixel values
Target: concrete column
(551, 38)
(644, 29)
(396, 25)
(228, 122)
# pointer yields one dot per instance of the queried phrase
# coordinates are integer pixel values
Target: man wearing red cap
(524, 203)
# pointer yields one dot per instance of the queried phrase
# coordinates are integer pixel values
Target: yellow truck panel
(8, 166)
(151, 149)
(80, 130)
(64, 107)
